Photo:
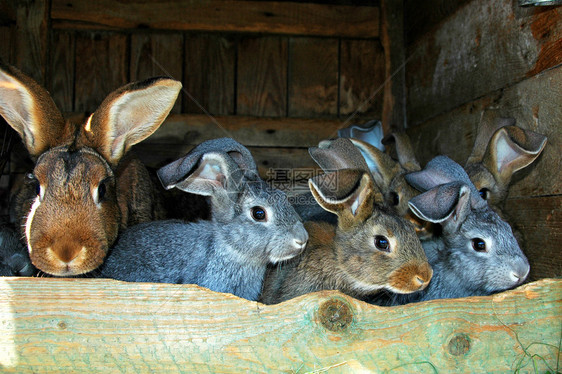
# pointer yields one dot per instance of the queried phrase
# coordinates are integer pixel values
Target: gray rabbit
(14, 259)
(476, 253)
(251, 225)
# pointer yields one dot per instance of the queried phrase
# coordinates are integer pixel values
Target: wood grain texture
(362, 71)
(540, 220)
(480, 48)
(62, 69)
(109, 326)
(32, 38)
(222, 15)
(209, 74)
(534, 103)
(157, 54)
(313, 77)
(7, 44)
(262, 76)
(392, 37)
(7, 12)
(100, 68)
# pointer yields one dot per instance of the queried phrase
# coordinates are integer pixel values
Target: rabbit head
(374, 248)
(500, 150)
(225, 171)
(69, 205)
(479, 251)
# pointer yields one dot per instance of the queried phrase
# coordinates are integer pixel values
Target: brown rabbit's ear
(129, 115)
(489, 124)
(338, 154)
(511, 149)
(382, 167)
(447, 203)
(348, 193)
(404, 150)
(29, 109)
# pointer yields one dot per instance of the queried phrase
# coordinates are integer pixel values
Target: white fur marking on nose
(29, 220)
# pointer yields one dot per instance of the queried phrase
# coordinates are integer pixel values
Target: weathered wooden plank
(534, 103)
(105, 326)
(222, 15)
(392, 37)
(7, 12)
(7, 44)
(262, 76)
(157, 54)
(209, 74)
(32, 38)
(313, 77)
(62, 69)
(101, 67)
(362, 70)
(477, 50)
(540, 220)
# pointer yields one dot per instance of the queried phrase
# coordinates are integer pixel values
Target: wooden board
(108, 326)
(7, 43)
(221, 15)
(362, 70)
(477, 50)
(540, 220)
(262, 77)
(63, 70)
(32, 38)
(534, 103)
(157, 54)
(313, 77)
(209, 74)
(100, 68)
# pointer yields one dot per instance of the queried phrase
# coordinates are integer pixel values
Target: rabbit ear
(211, 174)
(511, 149)
(29, 109)
(129, 115)
(338, 154)
(178, 170)
(404, 150)
(382, 167)
(443, 204)
(348, 193)
(489, 124)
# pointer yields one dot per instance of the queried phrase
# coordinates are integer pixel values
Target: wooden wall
(476, 56)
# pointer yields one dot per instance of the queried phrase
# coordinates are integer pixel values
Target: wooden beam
(96, 325)
(288, 18)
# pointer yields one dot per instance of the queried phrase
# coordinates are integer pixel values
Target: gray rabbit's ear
(489, 124)
(348, 193)
(382, 167)
(179, 169)
(338, 154)
(404, 150)
(211, 174)
(511, 149)
(448, 204)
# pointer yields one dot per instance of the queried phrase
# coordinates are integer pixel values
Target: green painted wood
(96, 325)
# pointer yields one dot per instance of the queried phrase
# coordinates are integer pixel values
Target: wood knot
(335, 315)
(62, 325)
(459, 345)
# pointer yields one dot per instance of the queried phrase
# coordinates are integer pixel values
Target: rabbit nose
(301, 235)
(519, 275)
(66, 253)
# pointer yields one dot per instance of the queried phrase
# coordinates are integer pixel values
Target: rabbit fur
(82, 190)
(14, 259)
(369, 249)
(230, 252)
(476, 253)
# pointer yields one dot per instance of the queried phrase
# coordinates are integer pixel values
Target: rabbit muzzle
(297, 238)
(411, 277)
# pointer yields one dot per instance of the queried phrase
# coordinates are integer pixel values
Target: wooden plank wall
(240, 63)
(477, 57)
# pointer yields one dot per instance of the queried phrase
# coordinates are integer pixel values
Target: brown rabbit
(82, 191)
(370, 249)
(500, 150)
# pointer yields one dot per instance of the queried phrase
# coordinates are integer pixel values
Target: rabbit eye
(382, 243)
(33, 180)
(101, 190)
(484, 193)
(259, 214)
(395, 198)
(479, 245)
